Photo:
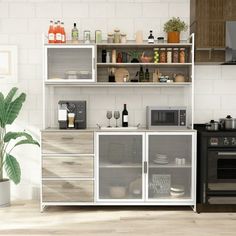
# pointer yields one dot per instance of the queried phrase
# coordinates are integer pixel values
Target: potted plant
(173, 28)
(10, 107)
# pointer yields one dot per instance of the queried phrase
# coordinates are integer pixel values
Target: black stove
(216, 155)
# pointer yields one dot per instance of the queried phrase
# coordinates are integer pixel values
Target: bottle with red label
(51, 33)
(58, 32)
(63, 33)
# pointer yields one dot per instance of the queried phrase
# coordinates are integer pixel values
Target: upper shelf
(142, 64)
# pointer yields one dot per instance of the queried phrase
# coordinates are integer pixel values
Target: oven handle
(228, 154)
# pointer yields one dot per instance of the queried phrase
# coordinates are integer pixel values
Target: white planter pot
(5, 193)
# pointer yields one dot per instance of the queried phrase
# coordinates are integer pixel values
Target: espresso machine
(72, 114)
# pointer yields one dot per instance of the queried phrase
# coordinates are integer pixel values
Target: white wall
(23, 22)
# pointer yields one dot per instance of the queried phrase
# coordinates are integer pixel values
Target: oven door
(164, 118)
(222, 170)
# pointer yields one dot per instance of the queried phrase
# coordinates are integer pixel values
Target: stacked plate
(161, 159)
(177, 190)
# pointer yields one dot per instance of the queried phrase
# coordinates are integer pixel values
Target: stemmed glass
(109, 116)
(116, 116)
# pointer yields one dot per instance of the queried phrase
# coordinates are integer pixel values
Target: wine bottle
(147, 76)
(125, 117)
(141, 74)
(150, 37)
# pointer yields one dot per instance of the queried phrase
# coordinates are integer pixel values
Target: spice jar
(175, 55)
(156, 55)
(162, 55)
(110, 37)
(123, 38)
(169, 55)
(117, 36)
(182, 55)
(160, 40)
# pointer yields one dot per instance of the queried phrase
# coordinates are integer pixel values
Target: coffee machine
(72, 114)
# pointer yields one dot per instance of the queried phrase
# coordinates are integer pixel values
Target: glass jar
(169, 55)
(160, 40)
(162, 55)
(98, 36)
(182, 55)
(175, 55)
(87, 36)
(123, 38)
(117, 36)
(110, 37)
(156, 55)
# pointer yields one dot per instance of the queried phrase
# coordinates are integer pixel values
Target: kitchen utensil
(212, 125)
(117, 191)
(228, 123)
(120, 74)
(179, 78)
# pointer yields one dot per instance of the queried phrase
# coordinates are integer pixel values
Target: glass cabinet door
(169, 167)
(120, 158)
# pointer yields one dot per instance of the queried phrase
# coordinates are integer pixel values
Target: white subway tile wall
(23, 22)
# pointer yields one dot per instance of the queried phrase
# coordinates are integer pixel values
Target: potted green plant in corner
(173, 28)
(10, 107)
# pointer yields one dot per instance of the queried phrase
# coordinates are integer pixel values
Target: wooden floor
(25, 219)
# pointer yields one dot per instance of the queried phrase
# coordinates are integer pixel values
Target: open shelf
(142, 64)
(170, 165)
(123, 165)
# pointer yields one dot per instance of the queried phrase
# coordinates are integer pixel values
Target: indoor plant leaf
(27, 141)
(12, 168)
(14, 109)
(10, 96)
(14, 135)
(2, 110)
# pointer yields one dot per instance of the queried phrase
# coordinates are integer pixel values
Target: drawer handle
(67, 138)
(71, 163)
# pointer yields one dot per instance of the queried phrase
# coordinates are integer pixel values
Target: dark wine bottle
(150, 37)
(125, 117)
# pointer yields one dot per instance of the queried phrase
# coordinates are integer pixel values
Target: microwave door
(164, 118)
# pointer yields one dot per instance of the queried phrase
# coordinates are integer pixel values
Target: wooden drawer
(67, 191)
(67, 142)
(67, 166)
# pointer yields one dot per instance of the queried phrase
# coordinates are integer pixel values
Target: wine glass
(116, 116)
(109, 116)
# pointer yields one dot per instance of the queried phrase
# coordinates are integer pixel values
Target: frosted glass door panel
(170, 167)
(120, 167)
(70, 63)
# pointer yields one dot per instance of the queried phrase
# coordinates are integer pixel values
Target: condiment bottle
(175, 55)
(51, 33)
(117, 36)
(182, 55)
(141, 74)
(169, 55)
(113, 56)
(63, 33)
(150, 37)
(75, 34)
(156, 55)
(119, 58)
(162, 55)
(58, 32)
(147, 76)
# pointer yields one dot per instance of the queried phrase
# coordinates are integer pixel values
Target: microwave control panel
(182, 117)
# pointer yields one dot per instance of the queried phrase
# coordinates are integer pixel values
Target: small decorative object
(98, 36)
(110, 38)
(146, 57)
(8, 63)
(179, 78)
(113, 56)
(135, 187)
(117, 36)
(10, 107)
(119, 58)
(111, 77)
(173, 28)
(124, 57)
(150, 37)
(160, 40)
(139, 37)
(104, 55)
(120, 74)
(134, 56)
(156, 55)
(160, 184)
(87, 36)
(108, 59)
(123, 38)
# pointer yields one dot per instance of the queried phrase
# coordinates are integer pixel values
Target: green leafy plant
(10, 107)
(175, 24)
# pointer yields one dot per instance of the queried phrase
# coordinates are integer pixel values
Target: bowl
(117, 191)
(146, 58)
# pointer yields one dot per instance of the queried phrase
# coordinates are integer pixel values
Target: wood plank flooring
(24, 218)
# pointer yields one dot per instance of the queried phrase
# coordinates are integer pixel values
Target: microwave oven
(166, 117)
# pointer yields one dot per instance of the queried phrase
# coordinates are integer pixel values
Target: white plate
(160, 162)
(173, 194)
(177, 188)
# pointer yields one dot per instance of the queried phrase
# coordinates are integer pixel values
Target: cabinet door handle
(145, 167)
(67, 138)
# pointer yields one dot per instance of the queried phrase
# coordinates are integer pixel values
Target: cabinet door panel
(67, 166)
(67, 191)
(69, 143)
(120, 167)
(169, 167)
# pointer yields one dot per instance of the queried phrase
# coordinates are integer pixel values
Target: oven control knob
(226, 141)
(233, 142)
